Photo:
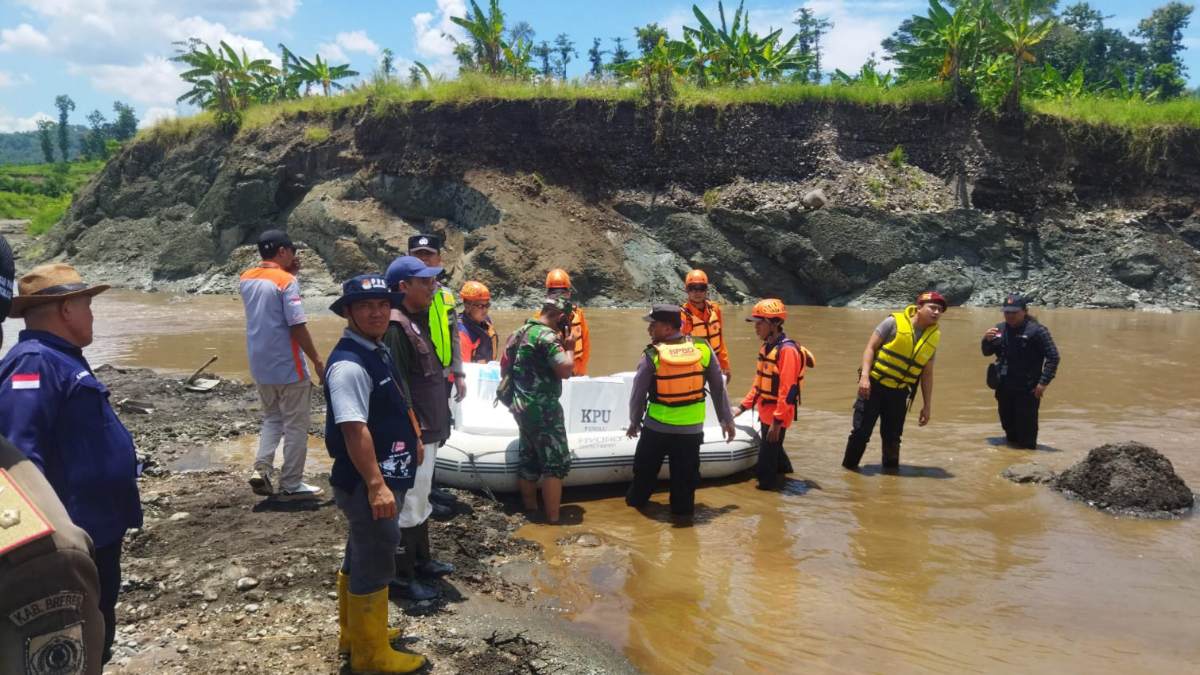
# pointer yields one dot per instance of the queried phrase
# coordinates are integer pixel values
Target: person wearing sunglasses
(702, 318)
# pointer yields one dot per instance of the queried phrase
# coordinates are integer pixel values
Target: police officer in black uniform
(1026, 361)
(50, 619)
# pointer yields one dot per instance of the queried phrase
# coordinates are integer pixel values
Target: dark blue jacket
(55, 410)
(387, 419)
(1027, 355)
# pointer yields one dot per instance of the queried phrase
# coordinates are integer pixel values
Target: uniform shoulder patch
(59, 652)
(20, 520)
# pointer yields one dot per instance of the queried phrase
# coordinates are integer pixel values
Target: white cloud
(23, 38)
(244, 14)
(154, 114)
(7, 79)
(432, 32)
(154, 81)
(9, 124)
(357, 41)
(332, 52)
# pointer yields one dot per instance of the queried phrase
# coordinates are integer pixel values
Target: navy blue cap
(271, 241)
(364, 287)
(1015, 302)
(408, 267)
(7, 273)
(672, 314)
(425, 242)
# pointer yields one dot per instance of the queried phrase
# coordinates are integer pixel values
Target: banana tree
(322, 73)
(222, 80)
(1017, 32)
(943, 40)
(486, 33)
(733, 54)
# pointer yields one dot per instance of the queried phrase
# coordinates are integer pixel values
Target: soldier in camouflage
(540, 361)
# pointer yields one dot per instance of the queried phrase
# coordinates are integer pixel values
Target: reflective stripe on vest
(677, 395)
(439, 324)
(709, 330)
(766, 379)
(899, 363)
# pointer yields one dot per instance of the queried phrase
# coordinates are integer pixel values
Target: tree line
(994, 53)
(100, 140)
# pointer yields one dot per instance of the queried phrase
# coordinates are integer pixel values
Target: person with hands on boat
(414, 351)
(667, 408)
(375, 443)
(776, 389)
(536, 362)
(897, 359)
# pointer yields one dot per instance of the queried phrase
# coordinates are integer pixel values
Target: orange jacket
(709, 324)
(790, 366)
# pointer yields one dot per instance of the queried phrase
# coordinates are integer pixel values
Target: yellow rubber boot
(370, 652)
(343, 592)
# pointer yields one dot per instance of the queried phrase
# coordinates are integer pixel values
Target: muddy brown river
(944, 568)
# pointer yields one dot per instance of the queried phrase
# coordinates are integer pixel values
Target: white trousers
(417, 508)
(286, 416)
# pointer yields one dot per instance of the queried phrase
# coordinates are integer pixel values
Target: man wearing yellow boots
(376, 448)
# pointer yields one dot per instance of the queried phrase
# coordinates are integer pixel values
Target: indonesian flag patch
(27, 381)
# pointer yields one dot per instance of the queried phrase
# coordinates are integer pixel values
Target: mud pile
(1129, 478)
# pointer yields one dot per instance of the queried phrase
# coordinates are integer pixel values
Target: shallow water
(944, 568)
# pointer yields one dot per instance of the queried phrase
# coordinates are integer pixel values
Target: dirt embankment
(628, 198)
(221, 581)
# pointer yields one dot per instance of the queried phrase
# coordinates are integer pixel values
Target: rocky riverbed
(628, 201)
(222, 581)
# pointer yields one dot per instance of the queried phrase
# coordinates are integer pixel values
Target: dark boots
(891, 456)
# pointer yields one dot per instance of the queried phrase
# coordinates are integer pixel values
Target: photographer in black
(1026, 362)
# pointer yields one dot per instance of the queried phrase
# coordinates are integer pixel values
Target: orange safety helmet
(473, 291)
(558, 278)
(770, 308)
(696, 277)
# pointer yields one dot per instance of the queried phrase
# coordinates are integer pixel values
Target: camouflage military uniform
(536, 390)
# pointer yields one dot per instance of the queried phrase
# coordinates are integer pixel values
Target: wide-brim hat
(365, 287)
(54, 282)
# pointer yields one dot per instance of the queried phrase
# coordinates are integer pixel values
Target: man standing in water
(672, 375)
(702, 318)
(476, 333)
(276, 334)
(373, 440)
(776, 389)
(537, 362)
(574, 328)
(409, 341)
(898, 356)
(1026, 362)
(58, 414)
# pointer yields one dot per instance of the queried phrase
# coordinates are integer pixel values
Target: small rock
(182, 649)
(1030, 472)
(251, 608)
(181, 515)
(246, 583)
(814, 199)
(210, 595)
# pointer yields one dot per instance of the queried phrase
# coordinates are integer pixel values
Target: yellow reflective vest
(440, 329)
(898, 364)
(677, 396)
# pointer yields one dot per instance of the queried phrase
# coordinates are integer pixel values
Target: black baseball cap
(7, 272)
(425, 242)
(1015, 302)
(671, 314)
(271, 241)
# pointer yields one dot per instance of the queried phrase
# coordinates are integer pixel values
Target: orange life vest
(708, 329)
(677, 396)
(766, 380)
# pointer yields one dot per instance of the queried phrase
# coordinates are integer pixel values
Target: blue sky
(101, 50)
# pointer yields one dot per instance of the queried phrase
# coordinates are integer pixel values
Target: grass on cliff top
(42, 210)
(382, 97)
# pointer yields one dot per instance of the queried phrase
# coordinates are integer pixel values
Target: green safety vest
(440, 329)
(677, 394)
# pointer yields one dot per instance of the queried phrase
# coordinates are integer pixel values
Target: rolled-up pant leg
(371, 543)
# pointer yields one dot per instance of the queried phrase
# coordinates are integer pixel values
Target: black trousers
(887, 406)
(1019, 416)
(108, 564)
(683, 451)
(772, 459)
(414, 550)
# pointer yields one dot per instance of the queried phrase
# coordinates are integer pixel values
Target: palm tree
(322, 73)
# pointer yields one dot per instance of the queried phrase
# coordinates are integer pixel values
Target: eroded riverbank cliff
(628, 198)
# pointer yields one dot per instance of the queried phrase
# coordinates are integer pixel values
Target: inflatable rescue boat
(482, 449)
